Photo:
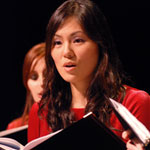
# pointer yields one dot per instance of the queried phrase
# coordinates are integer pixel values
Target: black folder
(86, 134)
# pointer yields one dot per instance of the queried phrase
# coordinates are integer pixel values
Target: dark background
(23, 24)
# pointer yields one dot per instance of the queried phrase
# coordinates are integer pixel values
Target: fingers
(130, 146)
(138, 144)
(126, 134)
(135, 146)
(133, 143)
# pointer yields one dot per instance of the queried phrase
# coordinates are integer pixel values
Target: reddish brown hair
(34, 54)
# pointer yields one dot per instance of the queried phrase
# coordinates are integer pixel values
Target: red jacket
(136, 101)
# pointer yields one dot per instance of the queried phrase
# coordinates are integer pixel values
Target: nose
(68, 51)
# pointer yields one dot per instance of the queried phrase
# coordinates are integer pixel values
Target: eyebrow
(72, 34)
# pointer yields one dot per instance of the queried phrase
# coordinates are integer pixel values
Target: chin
(70, 77)
(70, 80)
(37, 100)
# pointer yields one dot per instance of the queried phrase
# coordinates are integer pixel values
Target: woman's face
(74, 53)
(35, 81)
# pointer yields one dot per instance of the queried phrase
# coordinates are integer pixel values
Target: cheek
(56, 58)
(90, 59)
(54, 55)
(90, 56)
(95, 57)
(31, 85)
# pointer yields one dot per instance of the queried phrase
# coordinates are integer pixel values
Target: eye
(79, 40)
(33, 76)
(57, 42)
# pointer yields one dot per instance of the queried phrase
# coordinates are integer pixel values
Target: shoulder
(137, 95)
(137, 101)
(15, 123)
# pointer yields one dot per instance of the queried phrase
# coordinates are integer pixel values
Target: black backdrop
(23, 25)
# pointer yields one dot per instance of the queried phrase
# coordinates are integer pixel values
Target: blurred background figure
(33, 74)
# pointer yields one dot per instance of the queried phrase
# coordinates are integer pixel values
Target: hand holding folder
(129, 121)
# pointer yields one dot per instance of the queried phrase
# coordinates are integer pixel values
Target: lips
(40, 94)
(69, 66)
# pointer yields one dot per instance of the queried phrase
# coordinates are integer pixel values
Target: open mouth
(40, 94)
(68, 66)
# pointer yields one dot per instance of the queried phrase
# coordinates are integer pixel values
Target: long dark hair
(107, 81)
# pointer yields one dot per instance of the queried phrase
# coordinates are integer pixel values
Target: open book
(11, 144)
(18, 133)
(129, 121)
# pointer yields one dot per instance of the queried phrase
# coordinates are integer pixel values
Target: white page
(6, 147)
(134, 123)
(38, 141)
(11, 143)
(10, 131)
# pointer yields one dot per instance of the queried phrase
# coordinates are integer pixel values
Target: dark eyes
(57, 43)
(78, 40)
(33, 76)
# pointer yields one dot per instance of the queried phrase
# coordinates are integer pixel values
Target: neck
(79, 99)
